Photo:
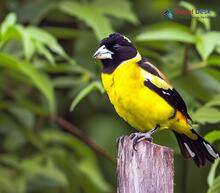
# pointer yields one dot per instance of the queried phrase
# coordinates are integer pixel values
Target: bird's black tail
(199, 150)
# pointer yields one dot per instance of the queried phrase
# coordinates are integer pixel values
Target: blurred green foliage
(47, 70)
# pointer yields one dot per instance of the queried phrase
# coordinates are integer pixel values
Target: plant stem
(193, 24)
(185, 60)
(82, 136)
(68, 127)
(197, 66)
(191, 67)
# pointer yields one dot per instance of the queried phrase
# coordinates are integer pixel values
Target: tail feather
(199, 150)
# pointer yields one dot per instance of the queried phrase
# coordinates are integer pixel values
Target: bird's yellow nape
(135, 59)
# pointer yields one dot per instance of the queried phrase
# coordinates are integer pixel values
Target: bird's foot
(138, 137)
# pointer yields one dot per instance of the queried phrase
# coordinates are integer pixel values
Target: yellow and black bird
(144, 97)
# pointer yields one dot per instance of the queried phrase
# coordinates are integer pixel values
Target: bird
(144, 97)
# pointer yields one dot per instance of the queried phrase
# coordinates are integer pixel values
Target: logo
(202, 13)
(168, 13)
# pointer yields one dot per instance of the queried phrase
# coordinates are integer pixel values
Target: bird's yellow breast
(141, 107)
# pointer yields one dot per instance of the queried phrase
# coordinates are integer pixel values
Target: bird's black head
(114, 50)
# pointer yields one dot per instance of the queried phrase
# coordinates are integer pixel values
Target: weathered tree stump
(148, 169)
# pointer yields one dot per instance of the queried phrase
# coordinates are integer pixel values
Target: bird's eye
(116, 47)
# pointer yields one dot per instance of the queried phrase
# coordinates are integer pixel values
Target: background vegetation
(49, 142)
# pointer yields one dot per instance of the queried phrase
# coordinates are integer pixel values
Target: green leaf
(67, 162)
(46, 39)
(215, 188)
(218, 49)
(212, 136)
(206, 43)
(207, 115)
(23, 115)
(120, 9)
(90, 15)
(205, 21)
(204, 87)
(214, 102)
(91, 171)
(213, 60)
(212, 72)
(21, 184)
(67, 82)
(38, 79)
(204, 46)
(212, 172)
(87, 164)
(63, 32)
(187, 5)
(6, 184)
(33, 40)
(29, 47)
(44, 52)
(94, 14)
(38, 166)
(83, 93)
(78, 146)
(41, 35)
(13, 33)
(167, 31)
(9, 21)
(35, 11)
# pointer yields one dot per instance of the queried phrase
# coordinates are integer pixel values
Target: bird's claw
(138, 137)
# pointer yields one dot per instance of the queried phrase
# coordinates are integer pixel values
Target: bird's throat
(109, 66)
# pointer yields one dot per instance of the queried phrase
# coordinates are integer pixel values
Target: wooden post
(147, 170)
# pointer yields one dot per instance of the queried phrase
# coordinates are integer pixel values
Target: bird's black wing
(168, 93)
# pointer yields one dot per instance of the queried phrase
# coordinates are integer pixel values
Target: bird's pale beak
(103, 53)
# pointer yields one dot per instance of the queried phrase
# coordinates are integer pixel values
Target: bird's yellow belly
(142, 108)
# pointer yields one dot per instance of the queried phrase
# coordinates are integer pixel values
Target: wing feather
(157, 82)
